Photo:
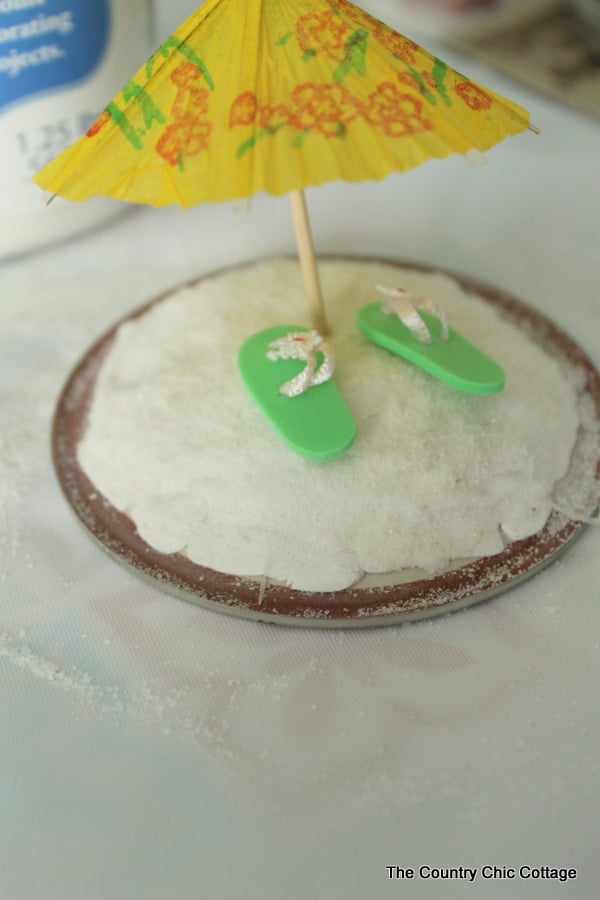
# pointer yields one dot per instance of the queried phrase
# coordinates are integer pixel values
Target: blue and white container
(61, 61)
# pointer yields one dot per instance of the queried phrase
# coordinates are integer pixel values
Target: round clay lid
(374, 601)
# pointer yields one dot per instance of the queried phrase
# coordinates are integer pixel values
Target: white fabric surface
(152, 750)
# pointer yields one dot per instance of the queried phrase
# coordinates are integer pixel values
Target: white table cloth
(150, 749)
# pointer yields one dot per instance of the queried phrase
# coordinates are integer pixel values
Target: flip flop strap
(401, 303)
(436, 310)
(409, 316)
(311, 376)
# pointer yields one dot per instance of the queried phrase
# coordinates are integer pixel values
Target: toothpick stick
(308, 263)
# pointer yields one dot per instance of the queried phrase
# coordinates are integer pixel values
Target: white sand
(434, 475)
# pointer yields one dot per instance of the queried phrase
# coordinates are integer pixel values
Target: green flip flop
(287, 371)
(450, 358)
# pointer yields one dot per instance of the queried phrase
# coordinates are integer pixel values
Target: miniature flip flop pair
(288, 370)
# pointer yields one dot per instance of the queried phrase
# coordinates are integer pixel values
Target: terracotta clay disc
(388, 600)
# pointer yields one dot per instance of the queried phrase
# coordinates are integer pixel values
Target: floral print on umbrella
(285, 96)
(328, 109)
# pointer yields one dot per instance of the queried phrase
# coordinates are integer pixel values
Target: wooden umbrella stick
(308, 263)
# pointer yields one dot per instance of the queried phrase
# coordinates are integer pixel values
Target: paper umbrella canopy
(276, 95)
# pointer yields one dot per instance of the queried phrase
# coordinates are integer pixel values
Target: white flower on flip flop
(303, 345)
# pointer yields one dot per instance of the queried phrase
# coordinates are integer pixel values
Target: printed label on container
(49, 44)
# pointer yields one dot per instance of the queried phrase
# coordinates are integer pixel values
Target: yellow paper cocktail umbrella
(277, 95)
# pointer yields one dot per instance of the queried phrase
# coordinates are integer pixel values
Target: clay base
(391, 599)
